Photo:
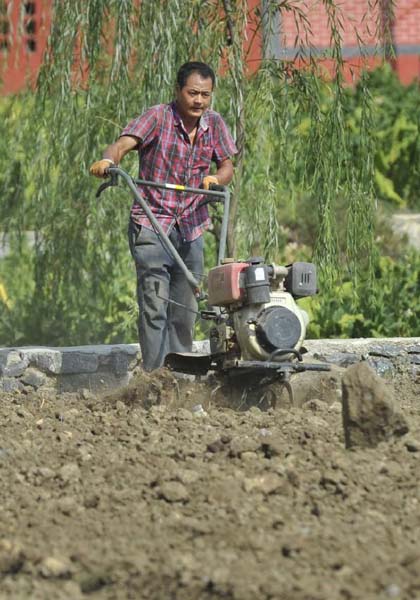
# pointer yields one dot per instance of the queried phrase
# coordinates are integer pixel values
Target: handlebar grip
(216, 187)
(112, 181)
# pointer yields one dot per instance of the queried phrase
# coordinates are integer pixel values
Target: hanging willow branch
(106, 61)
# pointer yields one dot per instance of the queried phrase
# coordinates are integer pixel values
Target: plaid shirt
(167, 155)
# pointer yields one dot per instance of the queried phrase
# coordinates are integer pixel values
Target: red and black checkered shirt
(166, 155)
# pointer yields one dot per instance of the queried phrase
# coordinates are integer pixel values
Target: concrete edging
(103, 367)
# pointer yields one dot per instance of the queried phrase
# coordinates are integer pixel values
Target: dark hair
(189, 68)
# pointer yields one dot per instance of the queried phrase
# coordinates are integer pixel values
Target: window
(31, 45)
(30, 8)
(4, 27)
(30, 26)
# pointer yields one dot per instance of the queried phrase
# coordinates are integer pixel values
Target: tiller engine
(258, 327)
(261, 320)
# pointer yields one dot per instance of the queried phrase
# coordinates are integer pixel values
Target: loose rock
(370, 415)
(173, 491)
(11, 557)
(53, 567)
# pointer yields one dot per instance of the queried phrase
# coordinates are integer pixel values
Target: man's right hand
(100, 168)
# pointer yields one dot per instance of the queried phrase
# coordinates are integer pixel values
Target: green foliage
(16, 285)
(391, 309)
(396, 132)
(300, 139)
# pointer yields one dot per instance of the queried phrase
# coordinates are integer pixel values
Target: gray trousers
(164, 327)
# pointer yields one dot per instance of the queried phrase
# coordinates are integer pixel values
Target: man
(176, 143)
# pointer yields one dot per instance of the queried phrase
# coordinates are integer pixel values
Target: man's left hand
(209, 180)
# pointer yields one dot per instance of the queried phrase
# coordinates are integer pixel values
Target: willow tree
(106, 61)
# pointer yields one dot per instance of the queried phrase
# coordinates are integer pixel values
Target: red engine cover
(224, 284)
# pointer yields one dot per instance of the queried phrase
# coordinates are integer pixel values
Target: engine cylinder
(278, 328)
(260, 330)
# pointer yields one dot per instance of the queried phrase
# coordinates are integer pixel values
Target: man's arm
(114, 153)
(223, 175)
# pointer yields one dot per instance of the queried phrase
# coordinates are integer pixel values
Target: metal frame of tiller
(269, 369)
(217, 193)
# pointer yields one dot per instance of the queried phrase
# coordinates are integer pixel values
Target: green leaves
(305, 174)
(391, 309)
(395, 128)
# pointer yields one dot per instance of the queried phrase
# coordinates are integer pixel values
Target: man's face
(195, 97)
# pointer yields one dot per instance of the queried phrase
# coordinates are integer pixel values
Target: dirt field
(140, 495)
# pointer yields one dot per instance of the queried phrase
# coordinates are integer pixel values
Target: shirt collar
(203, 122)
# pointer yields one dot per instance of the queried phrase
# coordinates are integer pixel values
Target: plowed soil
(145, 495)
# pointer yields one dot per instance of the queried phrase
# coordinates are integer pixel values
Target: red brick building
(24, 29)
(374, 27)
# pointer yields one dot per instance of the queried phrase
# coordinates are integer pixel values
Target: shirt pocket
(202, 158)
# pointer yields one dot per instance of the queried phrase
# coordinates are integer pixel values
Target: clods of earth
(178, 489)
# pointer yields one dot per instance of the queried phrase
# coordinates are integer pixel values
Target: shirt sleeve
(224, 146)
(143, 127)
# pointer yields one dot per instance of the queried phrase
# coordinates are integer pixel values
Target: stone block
(341, 359)
(47, 360)
(119, 362)
(414, 349)
(33, 377)
(12, 363)
(382, 366)
(370, 414)
(386, 349)
(79, 362)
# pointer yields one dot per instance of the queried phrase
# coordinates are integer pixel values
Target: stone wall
(103, 367)
(68, 368)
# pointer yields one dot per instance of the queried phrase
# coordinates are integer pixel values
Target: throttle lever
(216, 187)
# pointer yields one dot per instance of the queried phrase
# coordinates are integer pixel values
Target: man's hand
(209, 180)
(100, 168)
